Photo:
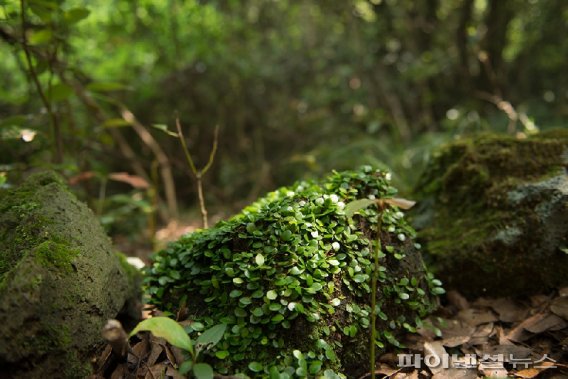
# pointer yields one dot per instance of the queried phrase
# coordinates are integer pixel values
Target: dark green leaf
(106, 86)
(74, 15)
(212, 335)
(255, 366)
(357, 205)
(40, 37)
(203, 371)
(168, 329)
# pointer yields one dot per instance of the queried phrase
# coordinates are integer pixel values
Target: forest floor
(487, 337)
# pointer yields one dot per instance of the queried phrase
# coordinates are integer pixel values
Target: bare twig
(199, 173)
(162, 158)
(57, 138)
(504, 106)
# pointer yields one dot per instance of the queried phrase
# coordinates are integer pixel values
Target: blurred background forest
(297, 88)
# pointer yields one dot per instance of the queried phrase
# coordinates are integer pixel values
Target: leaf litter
(504, 337)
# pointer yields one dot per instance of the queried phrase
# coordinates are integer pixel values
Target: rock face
(290, 276)
(59, 281)
(494, 214)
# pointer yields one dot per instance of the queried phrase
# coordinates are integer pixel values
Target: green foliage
(175, 334)
(318, 85)
(292, 270)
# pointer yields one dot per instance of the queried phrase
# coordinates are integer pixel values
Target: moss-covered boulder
(290, 276)
(494, 213)
(59, 281)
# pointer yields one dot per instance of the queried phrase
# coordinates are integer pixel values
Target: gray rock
(59, 281)
(494, 214)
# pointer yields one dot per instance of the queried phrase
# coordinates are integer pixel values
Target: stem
(199, 173)
(202, 201)
(374, 297)
(58, 143)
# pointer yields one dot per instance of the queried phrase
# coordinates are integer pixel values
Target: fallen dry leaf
(533, 372)
(493, 370)
(157, 347)
(519, 334)
(482, 334)
(549, 322)
(509, 310)
(539, 300)
(508, 351)
(456, 373)
(173, 373)
(406, 375)
(456, 333)
(476, 317)
(436, 350)
(527, 373)
(156, 371)
(133, 180)
(560, 307)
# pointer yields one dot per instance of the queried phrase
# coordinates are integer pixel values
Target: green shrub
(290, 276)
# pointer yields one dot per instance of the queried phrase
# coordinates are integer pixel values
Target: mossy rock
(494, 214)
(59, 281)
(290, 276)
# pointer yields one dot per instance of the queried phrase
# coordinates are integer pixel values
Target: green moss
(60, 280)
(55, 254)
(21, 224)
(471, 223)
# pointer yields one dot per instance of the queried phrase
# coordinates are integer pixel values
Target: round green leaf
(271, 295)
(203, 371)
(255, 366)
(259, 259)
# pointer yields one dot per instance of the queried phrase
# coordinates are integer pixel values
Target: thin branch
(213, 151)
(163, 160)
(58, 143)
(504, 106)
(199, 173)
(185, 150)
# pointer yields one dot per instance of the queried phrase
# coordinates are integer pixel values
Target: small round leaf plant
(290, 276)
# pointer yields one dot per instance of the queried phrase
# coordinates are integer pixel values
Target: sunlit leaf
(168, 329)
(40, 37)
(356, 205)
(259, 259)
(75, 15)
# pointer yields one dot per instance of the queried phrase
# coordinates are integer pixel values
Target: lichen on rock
(290, 276)
(494, 213)
(59, 281)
